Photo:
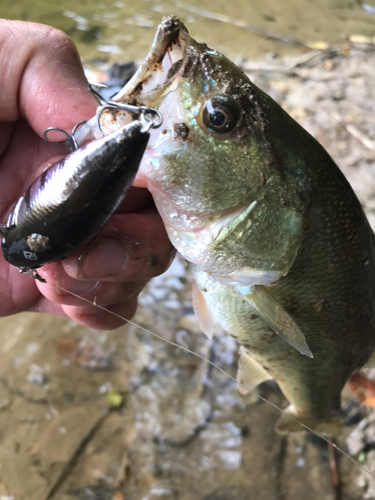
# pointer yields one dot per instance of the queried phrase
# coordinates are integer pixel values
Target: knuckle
(37, 35)
(56, 40)
(44, 41)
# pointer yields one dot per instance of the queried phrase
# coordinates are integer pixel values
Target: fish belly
(314, 395)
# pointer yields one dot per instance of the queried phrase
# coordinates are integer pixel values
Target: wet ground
(112, 416)
(89, 415)
(92, 415)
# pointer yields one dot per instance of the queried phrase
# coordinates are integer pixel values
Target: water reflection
(123, 30)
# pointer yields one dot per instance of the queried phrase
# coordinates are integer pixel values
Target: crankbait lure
(73, 199)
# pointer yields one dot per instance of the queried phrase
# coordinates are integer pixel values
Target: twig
(366, 141)
(292, 68)
(360, 136)
(279, 466)
(336, 483)
(314, 54)
(76, 455)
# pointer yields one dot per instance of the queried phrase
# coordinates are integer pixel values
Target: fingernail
(89, 311)
(104, 258)
(76, 286)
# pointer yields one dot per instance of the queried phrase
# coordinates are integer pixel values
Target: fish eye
(220, 114)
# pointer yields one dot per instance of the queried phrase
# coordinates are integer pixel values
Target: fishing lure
(70, 202)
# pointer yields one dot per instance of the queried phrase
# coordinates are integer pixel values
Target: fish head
(228, 200)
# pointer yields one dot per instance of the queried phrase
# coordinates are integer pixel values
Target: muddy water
(123, 29)
(183, 431)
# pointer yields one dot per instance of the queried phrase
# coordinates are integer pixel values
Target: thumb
(44, 83)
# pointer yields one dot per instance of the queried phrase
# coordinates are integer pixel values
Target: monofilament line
(185, 349)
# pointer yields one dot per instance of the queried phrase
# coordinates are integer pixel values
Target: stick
(336, 483)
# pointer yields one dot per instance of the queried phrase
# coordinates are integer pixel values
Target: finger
(63, 289)
(132, 247)
(94, 317)
(141, 180)
(18, 292)
(137, 199)
(45, 83)
(24, 160)
(46, 306)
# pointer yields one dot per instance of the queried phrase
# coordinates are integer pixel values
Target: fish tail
(293, 421)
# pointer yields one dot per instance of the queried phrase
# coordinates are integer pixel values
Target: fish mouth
(159, 74)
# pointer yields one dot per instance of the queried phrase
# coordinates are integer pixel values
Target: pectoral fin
(204, 317)
(249, 373)
(277, 318)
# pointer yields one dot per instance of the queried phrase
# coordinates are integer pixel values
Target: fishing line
(221, 370)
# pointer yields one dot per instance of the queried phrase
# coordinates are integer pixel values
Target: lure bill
(73, 199)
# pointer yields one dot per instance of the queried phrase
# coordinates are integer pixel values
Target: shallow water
(122, 30)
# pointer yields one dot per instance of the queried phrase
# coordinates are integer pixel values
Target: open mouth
(158, 75)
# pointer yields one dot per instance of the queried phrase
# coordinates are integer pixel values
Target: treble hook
(70, 139)
(144, 111)
(96, 94)
(49, 129)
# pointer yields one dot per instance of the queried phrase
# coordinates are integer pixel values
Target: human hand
(43, 85)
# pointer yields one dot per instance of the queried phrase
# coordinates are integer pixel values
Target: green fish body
(281, 251)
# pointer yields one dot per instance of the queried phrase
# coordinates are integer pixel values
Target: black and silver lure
(70, 202)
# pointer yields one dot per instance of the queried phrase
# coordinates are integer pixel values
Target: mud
(121, 415)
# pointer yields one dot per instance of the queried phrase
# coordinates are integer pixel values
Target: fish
(280, 249)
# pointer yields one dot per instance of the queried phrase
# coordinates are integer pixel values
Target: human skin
(43, 85)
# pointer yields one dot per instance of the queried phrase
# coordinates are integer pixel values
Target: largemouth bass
(281, 251)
